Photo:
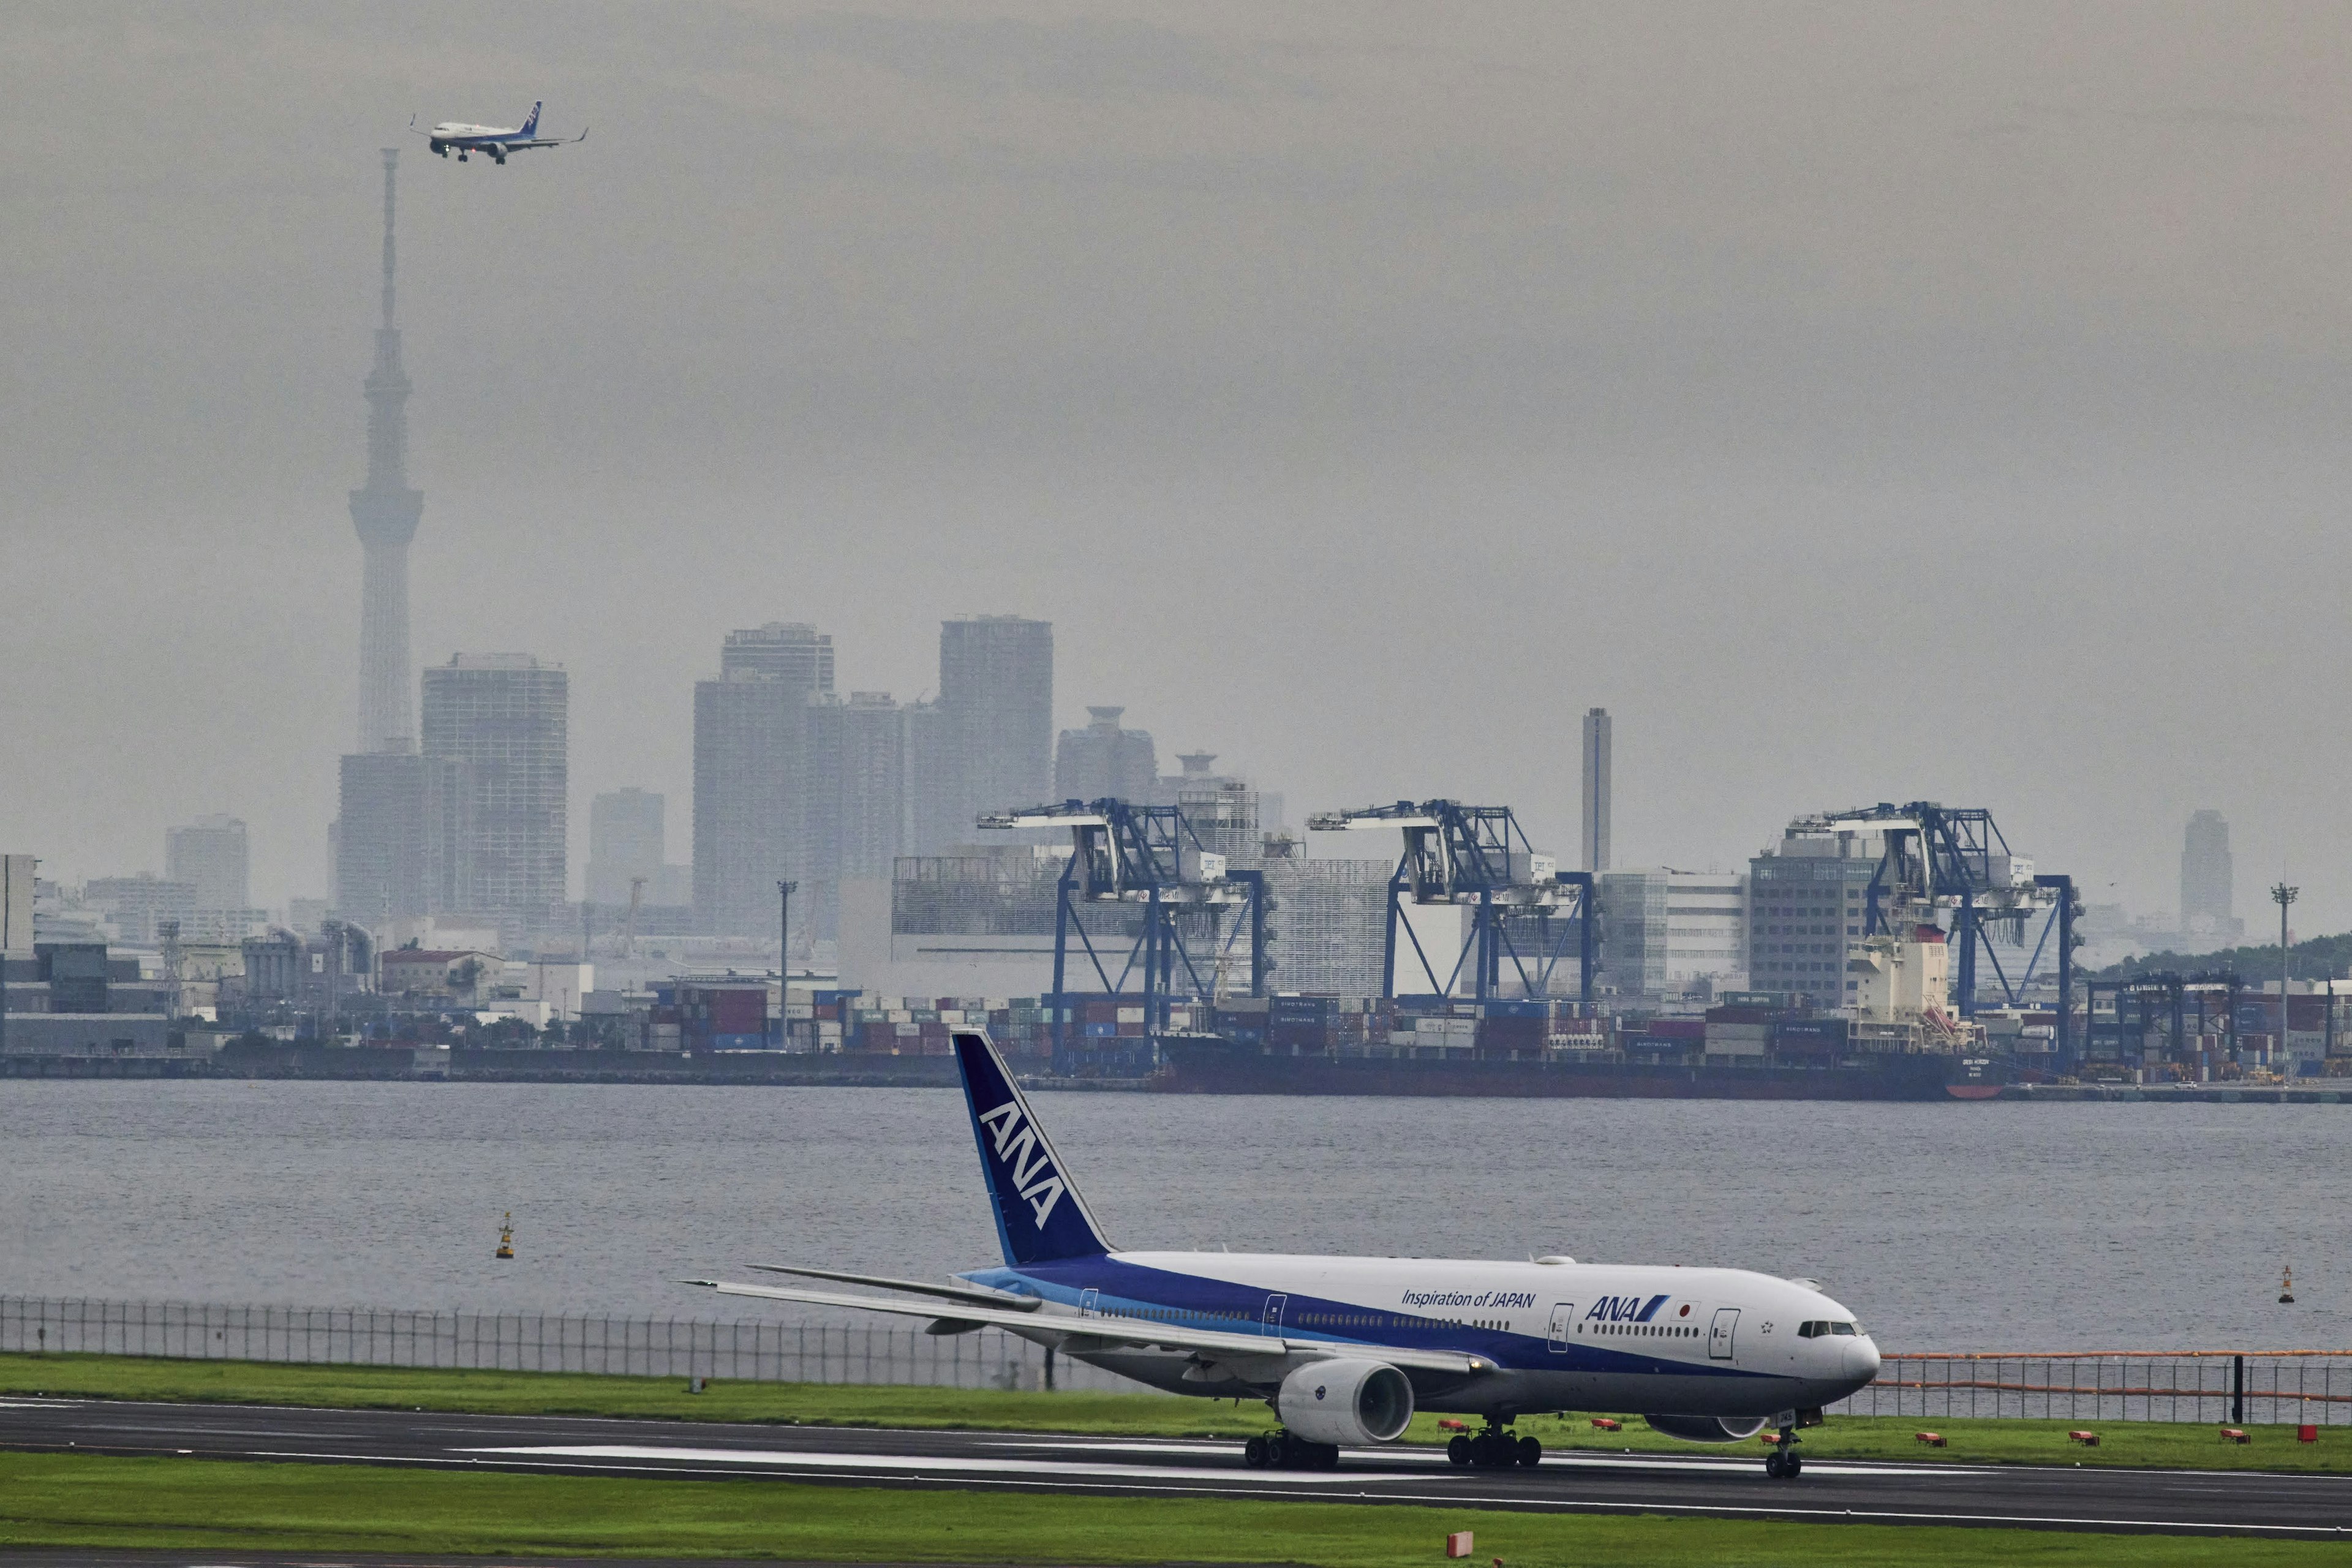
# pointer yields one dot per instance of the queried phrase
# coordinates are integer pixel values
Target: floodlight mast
(1474, 856)
(1149, 855)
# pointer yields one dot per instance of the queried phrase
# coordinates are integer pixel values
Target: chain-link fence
(2262, 1388)
(747, 1351)
(2254, 1386)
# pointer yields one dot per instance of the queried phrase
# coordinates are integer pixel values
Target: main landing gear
(1495, 1450)
(1784, 1463)
(1284, 1451)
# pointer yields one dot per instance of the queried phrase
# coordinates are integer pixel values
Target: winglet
(1040, 1216)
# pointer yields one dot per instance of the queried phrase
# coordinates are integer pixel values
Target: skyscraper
(627, 840)
(752, 773)
(862, 807)
(996, 691)
(1596, 790)
(384, 511)
(403, 847)
(2208, 880)
(782, 650)
(506, 716)
(1104, 760)
(209, 853)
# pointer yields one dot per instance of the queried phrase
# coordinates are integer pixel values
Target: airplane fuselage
(1555, 1336)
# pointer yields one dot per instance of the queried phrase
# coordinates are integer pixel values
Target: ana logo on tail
(1024, 1158)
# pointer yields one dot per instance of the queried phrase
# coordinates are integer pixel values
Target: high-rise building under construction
(384, 511)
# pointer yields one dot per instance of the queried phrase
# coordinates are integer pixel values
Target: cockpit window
(1841, 1328)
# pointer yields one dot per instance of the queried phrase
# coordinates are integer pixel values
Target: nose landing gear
(1495, 1450)
(1784, 1463)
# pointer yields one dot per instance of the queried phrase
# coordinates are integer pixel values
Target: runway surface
(2052, 1498)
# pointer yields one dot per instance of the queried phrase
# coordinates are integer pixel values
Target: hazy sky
(1863, 402)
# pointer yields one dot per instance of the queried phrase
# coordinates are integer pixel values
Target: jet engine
(1708, 1428)
(1350, 1403)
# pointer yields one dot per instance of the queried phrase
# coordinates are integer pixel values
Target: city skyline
(1716, 435)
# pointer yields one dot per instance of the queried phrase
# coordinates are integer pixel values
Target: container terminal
(1887, 952)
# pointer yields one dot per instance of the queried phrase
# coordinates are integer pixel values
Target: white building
(1666, 934)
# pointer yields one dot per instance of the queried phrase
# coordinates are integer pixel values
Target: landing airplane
(1345, 1348)
(494, 141)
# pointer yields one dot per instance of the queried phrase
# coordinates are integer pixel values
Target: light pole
(784, 892)
(2283, 896)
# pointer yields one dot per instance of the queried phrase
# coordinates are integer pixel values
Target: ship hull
(1202, 1069)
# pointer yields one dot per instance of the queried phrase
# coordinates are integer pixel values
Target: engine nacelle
(1347, 1402)
(1708, 1428)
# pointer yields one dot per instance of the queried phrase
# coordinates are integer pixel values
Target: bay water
(1945, 1227)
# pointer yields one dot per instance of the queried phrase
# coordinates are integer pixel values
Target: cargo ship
(1208, 1064)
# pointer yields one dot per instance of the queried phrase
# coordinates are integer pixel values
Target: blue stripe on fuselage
(1129, 1290)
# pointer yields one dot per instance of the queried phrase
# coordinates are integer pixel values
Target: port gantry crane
(1146, 857)
(1956, 857)
(1476, 857)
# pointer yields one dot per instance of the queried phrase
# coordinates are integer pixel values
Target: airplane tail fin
(1040, 1216)
(530, 126)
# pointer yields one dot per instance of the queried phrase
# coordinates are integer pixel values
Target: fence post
(2237, 1391)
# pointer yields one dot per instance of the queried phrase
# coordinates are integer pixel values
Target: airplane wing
(545, 142)
(1118, 1331)
(974, 1293)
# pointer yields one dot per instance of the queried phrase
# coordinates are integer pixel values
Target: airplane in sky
(493, 142)
(1346, 1349)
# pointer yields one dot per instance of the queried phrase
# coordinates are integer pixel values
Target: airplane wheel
(1482, 1451)
(1530, 1453)
(1792, 1467)
(1457, 1450)
(1278, 1451)
(1326, 1455)
(1254, 1453)
(1775, 1465)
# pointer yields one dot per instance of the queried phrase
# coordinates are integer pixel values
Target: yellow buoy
(506, 1236)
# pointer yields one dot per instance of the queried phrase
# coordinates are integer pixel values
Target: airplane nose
(1860, 1358)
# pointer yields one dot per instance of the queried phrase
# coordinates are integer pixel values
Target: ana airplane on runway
(1345, 1348)
(493, 142)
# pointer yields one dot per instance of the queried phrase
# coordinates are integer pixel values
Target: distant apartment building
(507, 718)
(135, 906)
(1807, 912)
(754, 774)
(405, 841)
(859, 808)
(1666, 934)
(1596, 790)
(2209, 879)
(996, 695)
(1104, 761)
(210, 854)
(628, 840)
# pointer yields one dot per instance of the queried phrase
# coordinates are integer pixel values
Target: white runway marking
(916, 1462)
(911, 1463)
(1436, 1459)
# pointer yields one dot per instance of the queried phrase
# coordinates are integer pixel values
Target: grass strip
(2138, 1443)
(78, 1500)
